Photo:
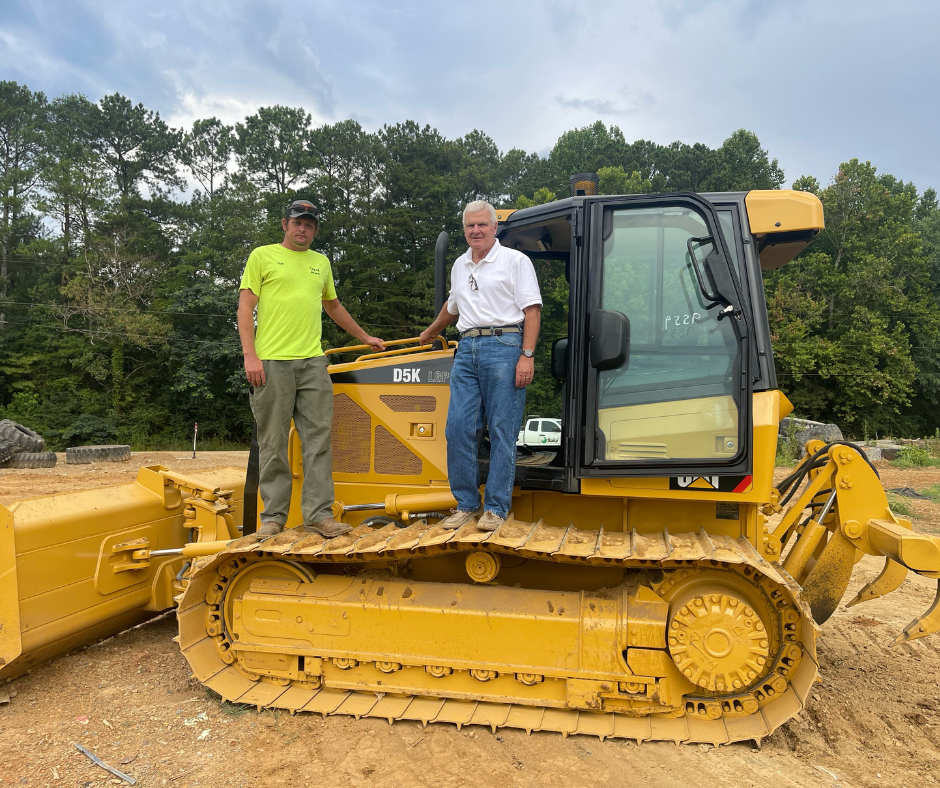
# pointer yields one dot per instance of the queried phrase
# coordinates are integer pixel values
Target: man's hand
(254, 371)
(433, 331)
(525, 371)
(375, 343)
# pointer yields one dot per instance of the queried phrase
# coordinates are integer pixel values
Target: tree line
(122, 242)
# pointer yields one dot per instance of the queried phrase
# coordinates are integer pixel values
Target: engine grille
(350, 436)
(401, 403)
(394, 457)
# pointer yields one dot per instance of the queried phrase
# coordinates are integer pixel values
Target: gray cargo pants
(298, 389)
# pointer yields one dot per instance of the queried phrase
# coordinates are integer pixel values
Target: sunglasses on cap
(302, 208)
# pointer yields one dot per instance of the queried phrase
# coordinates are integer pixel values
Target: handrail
(403, 351)
(387, 353)
(351, 348)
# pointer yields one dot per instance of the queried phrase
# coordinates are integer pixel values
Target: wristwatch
(528, 353)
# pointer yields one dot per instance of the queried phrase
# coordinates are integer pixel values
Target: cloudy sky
(819, 81)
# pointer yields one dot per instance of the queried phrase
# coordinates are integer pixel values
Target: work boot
(490, 521)
(328, 528)
(457, 519)
(269, 528)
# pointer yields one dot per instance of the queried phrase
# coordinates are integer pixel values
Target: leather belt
(494, 331)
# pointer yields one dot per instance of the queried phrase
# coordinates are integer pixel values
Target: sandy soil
(20, 483)
(874, 719)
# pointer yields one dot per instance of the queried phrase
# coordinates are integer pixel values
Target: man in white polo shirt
(495, 300)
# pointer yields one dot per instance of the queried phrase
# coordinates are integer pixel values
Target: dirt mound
(130, 700)
(874, 719)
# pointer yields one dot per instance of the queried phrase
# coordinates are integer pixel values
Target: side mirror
(610, 339)
(560, 359)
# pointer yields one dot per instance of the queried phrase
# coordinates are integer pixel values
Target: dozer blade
(927, 624)
(76, 567)
(890, 579)
(826, 584)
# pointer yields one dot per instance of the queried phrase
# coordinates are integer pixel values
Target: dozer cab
(651, 581)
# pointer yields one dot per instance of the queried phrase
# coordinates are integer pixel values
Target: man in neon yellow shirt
(286, 367)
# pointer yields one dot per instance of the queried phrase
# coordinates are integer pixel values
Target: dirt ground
(16, 484)
(874, 719)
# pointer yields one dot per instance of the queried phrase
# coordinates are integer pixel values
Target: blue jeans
(483, 382)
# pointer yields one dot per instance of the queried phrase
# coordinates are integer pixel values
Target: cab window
(674, 397)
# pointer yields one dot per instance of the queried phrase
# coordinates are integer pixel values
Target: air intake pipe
(440, 271)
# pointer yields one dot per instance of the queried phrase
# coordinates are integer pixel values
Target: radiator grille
(401, 403)
(393, 457)
(350, 436)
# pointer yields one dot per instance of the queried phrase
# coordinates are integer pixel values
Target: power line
(119, 309)
(167, 339)
(231, 316)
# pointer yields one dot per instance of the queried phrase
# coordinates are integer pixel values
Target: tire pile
(21, 447)
(86, 455)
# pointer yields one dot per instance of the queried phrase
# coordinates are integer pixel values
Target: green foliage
(135, 145)
(118, 292)
(206, 151)
(900, 505)
(789, 448)
(932, 492)
(273, 147)
(614, 180)
(914, 457)
(24, 408)
(854, 323)
(540, 197)
(88, 430)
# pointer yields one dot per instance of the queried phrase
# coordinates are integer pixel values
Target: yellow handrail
(386, 353)
(403, 351)
(351, 348)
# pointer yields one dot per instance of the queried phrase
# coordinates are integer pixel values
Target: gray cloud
(818, 82)
(597, 106)
(632, 102)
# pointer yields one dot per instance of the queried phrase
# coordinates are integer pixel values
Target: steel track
(781, 693)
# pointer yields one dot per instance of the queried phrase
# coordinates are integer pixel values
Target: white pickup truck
(538, 432)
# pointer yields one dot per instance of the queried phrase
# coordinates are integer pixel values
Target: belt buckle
(497, 332)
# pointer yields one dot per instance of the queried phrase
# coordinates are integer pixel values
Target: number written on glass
(674, 321)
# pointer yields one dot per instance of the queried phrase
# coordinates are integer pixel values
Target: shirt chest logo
(314, 270)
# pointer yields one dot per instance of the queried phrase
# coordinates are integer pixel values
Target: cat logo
(698, 482)
(731, 484)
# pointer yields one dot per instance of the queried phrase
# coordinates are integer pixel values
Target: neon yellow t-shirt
(291, 287)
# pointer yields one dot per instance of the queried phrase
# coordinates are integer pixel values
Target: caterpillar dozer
(651, 581)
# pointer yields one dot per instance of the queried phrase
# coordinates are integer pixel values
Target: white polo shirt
(506, 284)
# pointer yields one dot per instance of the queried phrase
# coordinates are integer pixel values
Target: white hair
(480, 205)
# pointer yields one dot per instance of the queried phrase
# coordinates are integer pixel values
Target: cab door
(550, 433)
(674, 400)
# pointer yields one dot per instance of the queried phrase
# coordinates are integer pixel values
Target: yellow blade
(889, 580)
(927, 624)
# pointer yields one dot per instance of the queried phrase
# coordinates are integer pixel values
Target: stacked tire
(20, 447)
(86, 455)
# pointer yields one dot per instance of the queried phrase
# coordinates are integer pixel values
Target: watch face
(528, 353)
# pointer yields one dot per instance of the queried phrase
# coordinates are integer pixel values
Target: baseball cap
(302, 208)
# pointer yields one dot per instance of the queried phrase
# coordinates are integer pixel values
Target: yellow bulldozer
(651, 582)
